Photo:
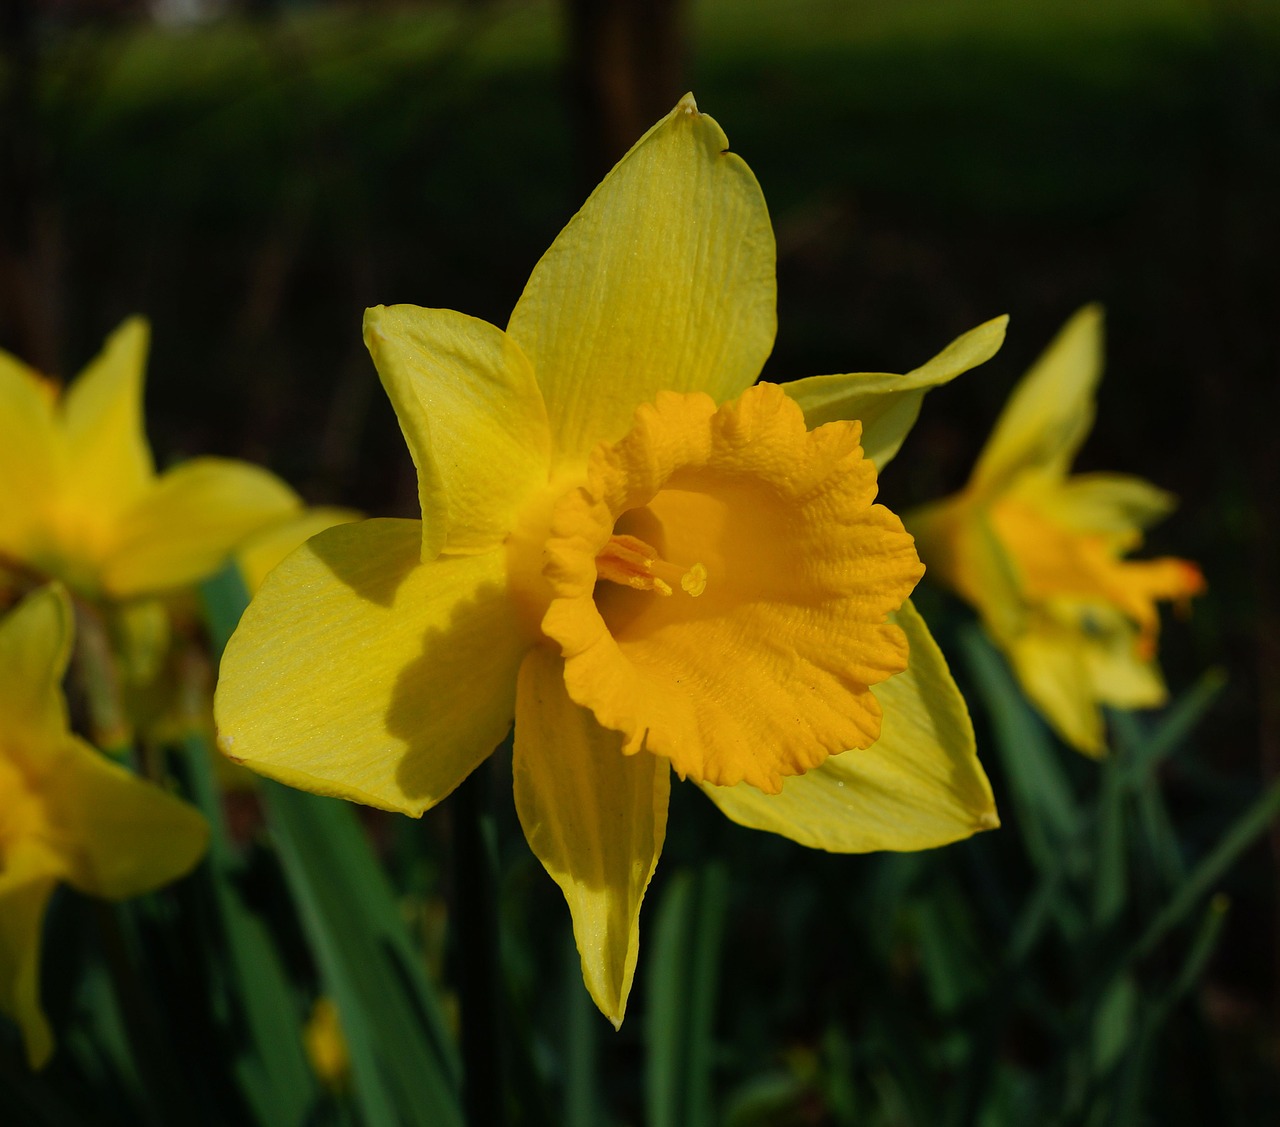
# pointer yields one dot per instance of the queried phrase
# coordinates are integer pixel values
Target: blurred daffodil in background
(81, 502)
(1040, 552)
(80, 499)
(66, 812)
(643, 559)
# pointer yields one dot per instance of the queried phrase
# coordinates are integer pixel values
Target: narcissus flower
(1040, 552)
(644, 560)
(66, 812)
(80, 500)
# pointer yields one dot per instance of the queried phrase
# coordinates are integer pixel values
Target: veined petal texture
(473, 417)
(663, 281)
(342, 678)
(596, 820)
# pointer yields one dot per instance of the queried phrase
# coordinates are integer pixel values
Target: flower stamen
(631, 562)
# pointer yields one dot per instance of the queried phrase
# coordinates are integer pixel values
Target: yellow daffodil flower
(66, 812)
(643, 559)
(80, 499)
(1039, 552)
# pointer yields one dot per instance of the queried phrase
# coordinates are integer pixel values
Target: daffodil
(66, 812)
(80, 500)
(643, 559)
(1039, 551)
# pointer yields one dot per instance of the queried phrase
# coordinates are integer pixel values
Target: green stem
(479, 972)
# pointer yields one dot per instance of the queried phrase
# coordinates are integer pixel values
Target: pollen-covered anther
(631, 562)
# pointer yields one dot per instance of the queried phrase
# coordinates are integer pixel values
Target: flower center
(736, 673)
(630, 561)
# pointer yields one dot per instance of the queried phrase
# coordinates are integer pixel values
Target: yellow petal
(596, 820)
(122, 836)
(344, 675)
(919, 786)
(1113, 505)
(35, 645)
(1051, 410)
(960, 549)
(262, 550)
(664, 280)
(764, 669)
(888, 405)
(109, 461)
(473, 417)
(1054, 672)
(1053, 561)
(1119, 664)
(27, 879)
(188, 524)
(29, 456)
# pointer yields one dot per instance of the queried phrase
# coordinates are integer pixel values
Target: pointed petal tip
(132, 327)
(612, 1007)
(371, 325)
(1088, 318)
(988, 820)
(687, 104)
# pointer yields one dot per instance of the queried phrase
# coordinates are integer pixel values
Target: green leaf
(1048, 815)
(1110, 884)
(582, 1106)
(682, 989)
(271, 1065)
(1199, 883)
(1148, 746)
(403, 1064)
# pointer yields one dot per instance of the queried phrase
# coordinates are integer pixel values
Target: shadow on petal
(368, 573)
(455, 702)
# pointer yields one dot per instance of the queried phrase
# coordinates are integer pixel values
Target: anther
(633, 563)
